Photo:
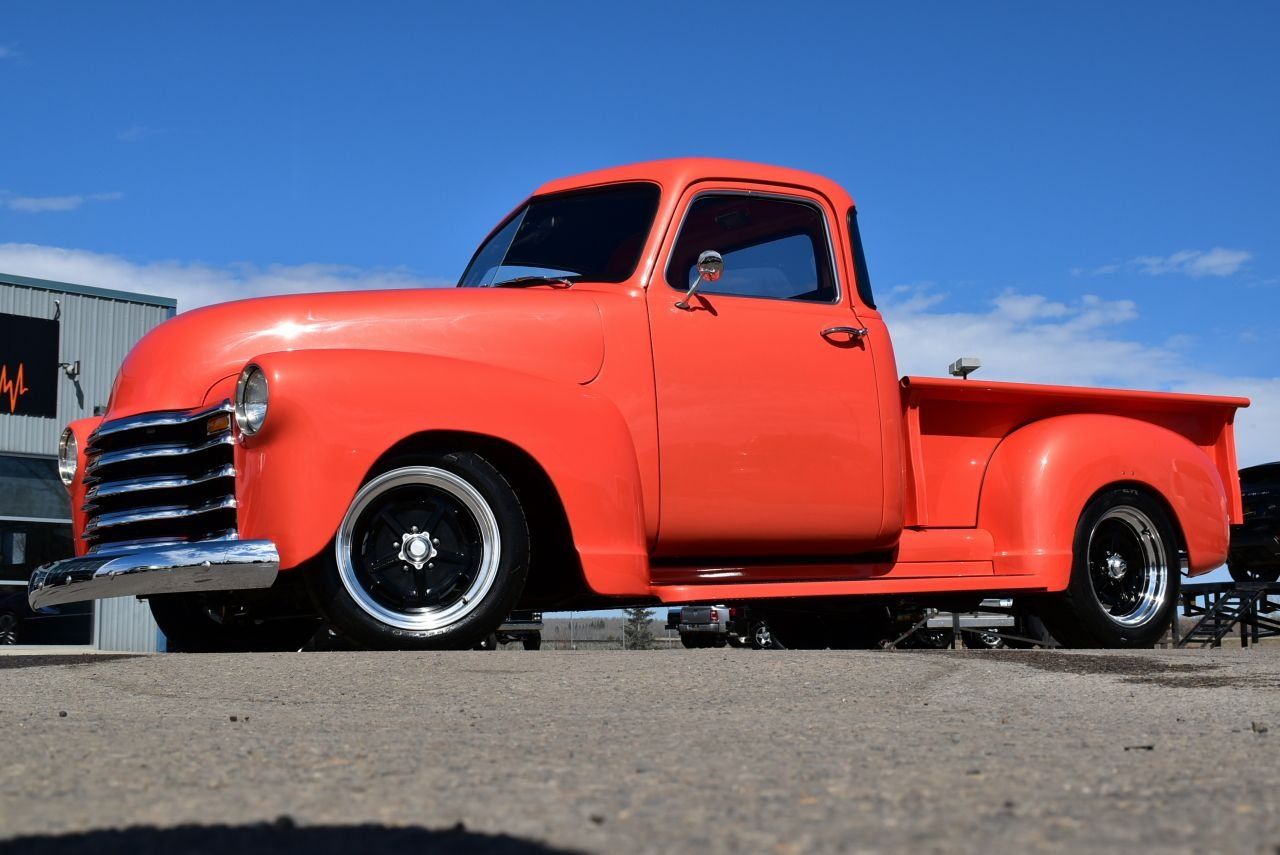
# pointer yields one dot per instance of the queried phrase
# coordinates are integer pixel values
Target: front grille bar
(155, 514)
(156, 482)
(111, 458)
(152, 420)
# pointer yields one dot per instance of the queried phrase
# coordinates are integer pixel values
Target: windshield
(596, 235)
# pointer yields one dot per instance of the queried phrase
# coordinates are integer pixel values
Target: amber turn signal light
(218, 424)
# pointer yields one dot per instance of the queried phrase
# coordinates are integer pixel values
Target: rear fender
(334, 413)
(1042, 475)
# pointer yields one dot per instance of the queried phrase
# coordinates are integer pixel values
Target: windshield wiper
(525, 281)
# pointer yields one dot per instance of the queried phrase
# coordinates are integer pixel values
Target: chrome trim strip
(111, 547)
(154, 482)
(162, 419)
(142, 452)
(159, 512)
(229, 565)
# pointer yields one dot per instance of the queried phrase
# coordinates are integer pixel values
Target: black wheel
(791, 631)
(980, 639)
(693, 640)
(432, 555)
(1124, 575)
(489, 642)
(762, 637)
(8, 628)
(861, 628)
(196, 623)
(1249, 574)
(1028, 626)
(930, 638)
(738, 642)
(532, 641)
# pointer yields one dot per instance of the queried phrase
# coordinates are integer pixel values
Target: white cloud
(134, 133)
(194, 284)
(41, 204)
(1214, 262)
(1029, 338)
(9, 52)
(1196, 263)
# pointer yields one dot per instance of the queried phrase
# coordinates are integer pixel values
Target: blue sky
(1075, 192)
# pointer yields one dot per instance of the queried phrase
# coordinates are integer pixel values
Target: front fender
(81, 429)
(333, 413)
(1041, 477)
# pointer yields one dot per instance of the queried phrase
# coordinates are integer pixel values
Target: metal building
(60, 348)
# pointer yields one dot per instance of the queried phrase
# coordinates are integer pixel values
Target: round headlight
(251, 400)
(68, 457)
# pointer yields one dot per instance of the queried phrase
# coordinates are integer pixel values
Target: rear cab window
(860, 262)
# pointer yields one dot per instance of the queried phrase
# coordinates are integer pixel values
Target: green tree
(636, 633)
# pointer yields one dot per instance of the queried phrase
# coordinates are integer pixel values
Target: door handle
(853, 333)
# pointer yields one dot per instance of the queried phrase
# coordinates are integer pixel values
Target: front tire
(432, 554)
(1124, 576)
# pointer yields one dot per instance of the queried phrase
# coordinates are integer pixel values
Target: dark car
(1255, 543)
(71, 623)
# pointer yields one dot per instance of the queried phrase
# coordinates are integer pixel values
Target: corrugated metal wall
(125, 624)
(95, 330)
(99, 330)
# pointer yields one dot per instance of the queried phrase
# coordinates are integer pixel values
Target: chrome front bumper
(211, 565)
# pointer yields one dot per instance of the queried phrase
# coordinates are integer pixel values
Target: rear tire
(432, 554)
(693, 640)
(9, 628)
(1125, 577)
(196, 623)
(1247, 574)
(980, 640)
(762, 636)
(795, 631)
(532, 641)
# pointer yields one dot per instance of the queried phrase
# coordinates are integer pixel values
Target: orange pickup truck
(665, 382)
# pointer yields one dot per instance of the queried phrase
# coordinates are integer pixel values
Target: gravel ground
(715, 751)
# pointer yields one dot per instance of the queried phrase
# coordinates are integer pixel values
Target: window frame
(816, 204)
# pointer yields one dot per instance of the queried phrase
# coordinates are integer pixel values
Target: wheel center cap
(1116, 566)
(417, 548)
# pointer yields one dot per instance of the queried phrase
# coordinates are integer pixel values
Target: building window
(35, 528)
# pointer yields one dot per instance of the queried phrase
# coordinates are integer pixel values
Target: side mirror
(710, 268)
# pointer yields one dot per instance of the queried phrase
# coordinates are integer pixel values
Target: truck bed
(953, 428)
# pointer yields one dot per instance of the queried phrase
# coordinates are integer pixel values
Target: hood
(554, 334)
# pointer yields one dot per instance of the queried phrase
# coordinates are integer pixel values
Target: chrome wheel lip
(1155, 570)
(427, 619)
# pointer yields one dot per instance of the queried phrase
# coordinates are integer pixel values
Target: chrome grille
(161, 478)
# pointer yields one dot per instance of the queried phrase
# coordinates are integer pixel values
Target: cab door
(768, 418)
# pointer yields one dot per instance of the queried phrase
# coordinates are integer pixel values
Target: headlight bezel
(251, 415)
(68, 457)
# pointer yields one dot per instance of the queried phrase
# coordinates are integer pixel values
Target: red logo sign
(12, 390)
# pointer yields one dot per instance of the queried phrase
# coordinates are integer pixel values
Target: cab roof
(677, 173)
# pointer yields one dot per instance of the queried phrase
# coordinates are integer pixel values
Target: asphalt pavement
(670, 751)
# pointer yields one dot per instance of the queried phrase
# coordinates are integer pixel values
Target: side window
(774, 248)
